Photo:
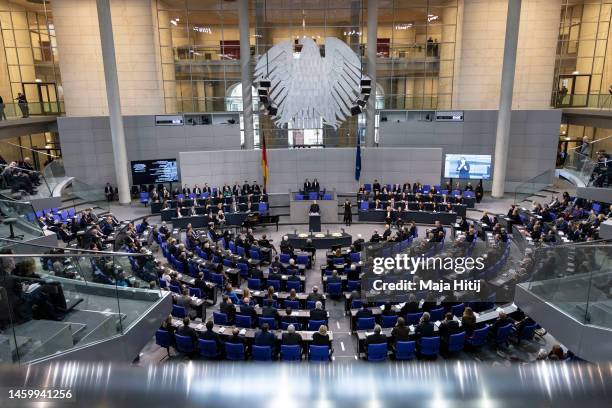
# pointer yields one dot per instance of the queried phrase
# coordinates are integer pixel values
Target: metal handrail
(32, 150)
(592, 142)
(85, 251)
(96, 255)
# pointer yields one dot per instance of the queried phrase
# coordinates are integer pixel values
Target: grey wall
(87, 147)
(533, 139)
(333, 167)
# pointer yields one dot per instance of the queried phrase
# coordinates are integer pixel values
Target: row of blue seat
(430, 346)
(426, 189)
(313, 195)
(59, 216)
(237, 352)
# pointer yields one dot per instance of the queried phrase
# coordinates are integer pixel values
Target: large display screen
(154, 171)
(468, 166)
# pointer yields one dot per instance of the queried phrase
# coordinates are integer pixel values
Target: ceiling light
(432, 17)
(403, 26)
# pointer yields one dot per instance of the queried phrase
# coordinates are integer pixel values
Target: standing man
(23, 105)
(348, 215)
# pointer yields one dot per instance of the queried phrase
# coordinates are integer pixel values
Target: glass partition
(54, 173)
(577, 279)
(89, 194)
(18, 221)
(580, 166)
(53, 300)
(533, 185)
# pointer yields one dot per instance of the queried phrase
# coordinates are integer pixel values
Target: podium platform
(299, 209)
(314, 222)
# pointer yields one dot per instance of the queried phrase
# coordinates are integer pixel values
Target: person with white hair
(291, 338)
(315, 295)
(358, 243)
(285, 246)
(318, 313)
(377, 337)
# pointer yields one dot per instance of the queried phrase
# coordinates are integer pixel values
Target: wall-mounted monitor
(154, 171)
(467, 166)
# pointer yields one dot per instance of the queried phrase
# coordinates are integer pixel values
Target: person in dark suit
(425, 328)
(353, 273)
(334, 278)
(209, 334)
(235, 337)
(364, 312)
(318, 313)
(348, 215)
(376, 186)
(167, 326)
(247, 310)
(315, 295)
(501, 321)
(291, 338)
(265, 338)
(187, 331)
(315, 185)
(448, 327)
(314, 208)
(411, 306)
(307, 186)
(228, 308)
(321, 338)
(400, 332)
(376, 338)
(288, 317)
(468, 321)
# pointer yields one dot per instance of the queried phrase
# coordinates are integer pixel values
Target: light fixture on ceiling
(203, 30)
(174, 22)
(403, 26)
(353, 32)
(432, 17)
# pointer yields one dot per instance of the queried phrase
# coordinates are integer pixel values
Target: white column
(505, 99)
(372, 40)
(114, 100)
(245, 74)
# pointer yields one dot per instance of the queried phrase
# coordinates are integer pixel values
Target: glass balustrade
(533, 185)
(576, 279)
(18, 221)
(56, 300)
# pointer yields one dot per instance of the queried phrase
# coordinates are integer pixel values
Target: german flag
(264, 161)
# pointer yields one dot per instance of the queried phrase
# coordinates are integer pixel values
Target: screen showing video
(154, 171)
(468, 166)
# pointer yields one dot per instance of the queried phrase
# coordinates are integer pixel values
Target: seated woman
(321, 338)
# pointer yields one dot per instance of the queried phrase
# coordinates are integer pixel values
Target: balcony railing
(53, 303)
(576, 279)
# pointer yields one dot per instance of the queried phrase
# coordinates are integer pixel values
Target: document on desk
(222, 330)
(242, 332)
